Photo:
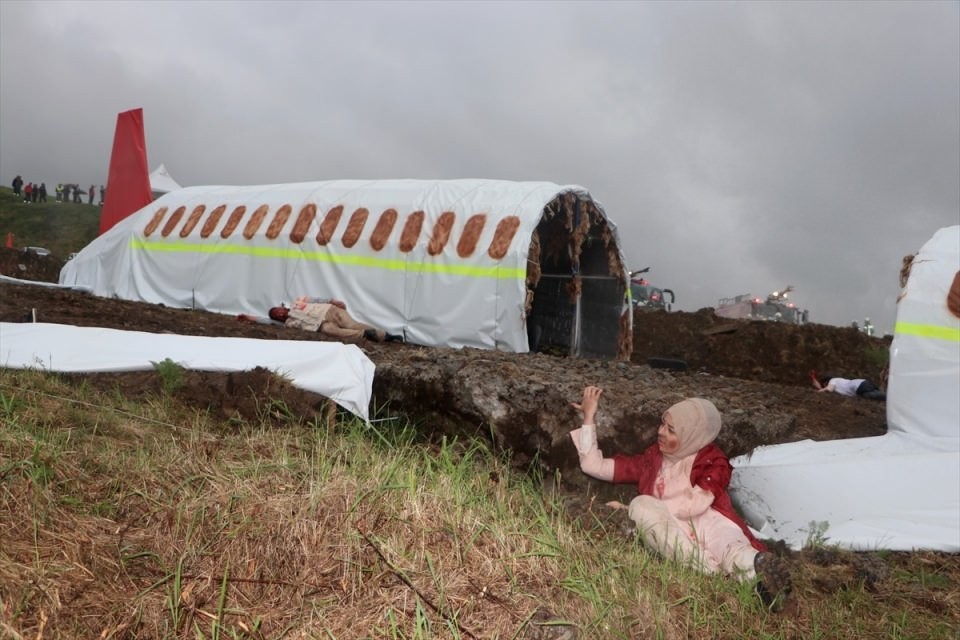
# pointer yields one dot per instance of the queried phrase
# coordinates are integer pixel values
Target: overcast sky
(738, 147)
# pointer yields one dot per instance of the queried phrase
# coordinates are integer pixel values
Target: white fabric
(588, 439)
(898, 491)
(433, 300)
(338, 371)
(37, 283)
(592, 461)
(161, 182)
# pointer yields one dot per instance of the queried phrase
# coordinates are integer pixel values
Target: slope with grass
(147, 518)
(61, 227)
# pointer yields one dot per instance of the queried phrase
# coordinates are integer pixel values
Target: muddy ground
(756, 373)
(746, 367)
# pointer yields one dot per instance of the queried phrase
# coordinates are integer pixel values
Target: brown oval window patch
(329, 225)
(192, 221)
(302, 225)
(441, 233)
(411, 231)
(381, 232)
(506, 229)
(279, 219)
(173, 221)
(253, 224)
(355, 227)
(471, 235)
(155, 221)
(212, 220)
(953, 296)
(233, 221)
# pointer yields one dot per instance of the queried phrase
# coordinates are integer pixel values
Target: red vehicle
(645, 296)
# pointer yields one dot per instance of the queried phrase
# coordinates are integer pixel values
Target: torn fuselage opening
(576, 286)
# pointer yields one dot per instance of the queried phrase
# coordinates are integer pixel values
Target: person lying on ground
(683, 510)
(329, 318)
(843, 386)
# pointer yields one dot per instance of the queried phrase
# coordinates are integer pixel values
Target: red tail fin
(128, 183)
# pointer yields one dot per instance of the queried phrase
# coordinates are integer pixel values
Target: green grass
(63, 227)
(124, 517)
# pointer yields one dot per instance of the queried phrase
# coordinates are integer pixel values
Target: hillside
(61, 227)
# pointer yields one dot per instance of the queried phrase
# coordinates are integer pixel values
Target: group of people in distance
(682, 509)
(34, 193)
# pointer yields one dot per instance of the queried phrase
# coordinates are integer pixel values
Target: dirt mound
(758, 350)
(29, 266)
(756, 372)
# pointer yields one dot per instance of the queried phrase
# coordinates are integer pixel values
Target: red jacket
(711, 471)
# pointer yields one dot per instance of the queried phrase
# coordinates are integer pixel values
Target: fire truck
(777, 307)
(645, 296)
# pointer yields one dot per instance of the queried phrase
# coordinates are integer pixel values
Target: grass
(142, 518)
(61, 227)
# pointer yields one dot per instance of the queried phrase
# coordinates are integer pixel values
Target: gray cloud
(739, 147)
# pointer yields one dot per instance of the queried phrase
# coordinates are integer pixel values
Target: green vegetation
(62, 227)
(171, 374)
(123, 518)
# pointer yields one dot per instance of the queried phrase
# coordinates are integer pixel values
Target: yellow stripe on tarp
(496, 272)
(927, 331)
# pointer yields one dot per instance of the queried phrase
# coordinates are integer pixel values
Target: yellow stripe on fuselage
(496, 272)
(927, 331)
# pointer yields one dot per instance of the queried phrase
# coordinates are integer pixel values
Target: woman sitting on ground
(683, 510)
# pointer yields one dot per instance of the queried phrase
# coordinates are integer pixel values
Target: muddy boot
(773, 577)
(393, 337)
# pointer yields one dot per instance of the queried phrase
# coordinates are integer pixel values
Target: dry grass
(123, 519)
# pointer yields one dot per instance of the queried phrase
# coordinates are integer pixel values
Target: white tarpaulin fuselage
(340, 372)
(458, 281)
(898, 491)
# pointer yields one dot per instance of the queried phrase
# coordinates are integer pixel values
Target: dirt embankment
(756, 372)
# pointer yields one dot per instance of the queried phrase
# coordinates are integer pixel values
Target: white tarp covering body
(340, 372)
(442, 262)
(162, 182)
(899, 491)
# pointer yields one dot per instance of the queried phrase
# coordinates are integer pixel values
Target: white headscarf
(696, 423)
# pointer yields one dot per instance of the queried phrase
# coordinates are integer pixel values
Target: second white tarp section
(900, 491)
(337, 371)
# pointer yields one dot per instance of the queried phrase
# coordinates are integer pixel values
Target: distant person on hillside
(42, 192)
(683, 510)
(59, 192)
(330, 318)
(90, 193)
(17, 185)
(845, 387)
(28, 193)
(103, 195)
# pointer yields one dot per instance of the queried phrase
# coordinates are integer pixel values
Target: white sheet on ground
(898, 491)
(338, 371)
